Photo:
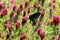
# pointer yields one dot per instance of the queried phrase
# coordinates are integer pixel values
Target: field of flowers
(29, 19)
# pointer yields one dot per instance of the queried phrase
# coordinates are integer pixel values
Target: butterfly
(34, 17)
